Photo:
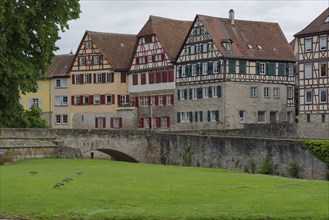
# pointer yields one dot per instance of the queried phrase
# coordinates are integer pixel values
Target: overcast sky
(121, 16)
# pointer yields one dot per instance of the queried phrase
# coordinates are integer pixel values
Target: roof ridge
(165, 18)
(109, 33)
(268, 22)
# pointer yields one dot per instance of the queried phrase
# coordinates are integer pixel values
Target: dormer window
(259, 47)
(227, 43)
(249, 46)
(274, 49)
(327, 20)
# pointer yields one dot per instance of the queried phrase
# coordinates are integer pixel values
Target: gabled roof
(317, 26)
(171, 33)
(117, 48)
(60, 65)
(272, 44)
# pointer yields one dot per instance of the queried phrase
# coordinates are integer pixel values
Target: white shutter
(40, 103)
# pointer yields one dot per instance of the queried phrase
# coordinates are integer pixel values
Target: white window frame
(88, 44)
(123, 99)
(204, 68)
(291, 70)
(168, 99)
(276, 92)
(205, 92)
(98, 77)
(195, 93)
(97, 99)
(214, 91)
(164, 121)
(96, 59)
(307, 93)
(143, 101)
(116, 122)
(320, 69)
(198, 116)
(229, 46)
(194, 71)
(77, 78)
(61, 101)
(323, 43)
(36, 102)
(267, 92)
(109, 77)
(253, 92)
(308, 71)
(142, 60)
(290, 92)
(107, 98)
(183, 69)
(86, 78)
(82, 61)
(65, 119)
(262, 68)
(215, 66)
(160, 100)
(58, 83)
(192, 49)
(205, 47)
(58, 119)
(213, 115)
(323, 95)
(308, 45)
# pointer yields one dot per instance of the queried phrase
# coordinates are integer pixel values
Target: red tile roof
(317, 26)
(171, 33)
(117, 48)
(60, 66)
(269, 36)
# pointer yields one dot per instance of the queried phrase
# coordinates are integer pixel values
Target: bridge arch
(115, 154)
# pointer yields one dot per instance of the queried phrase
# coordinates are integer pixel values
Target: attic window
(148, 39)
(327, 20)
(249, 46)
(274, 49)
(259, 47)
(88, 44)
(227, 43)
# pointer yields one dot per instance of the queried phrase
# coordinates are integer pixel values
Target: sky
(129, 16)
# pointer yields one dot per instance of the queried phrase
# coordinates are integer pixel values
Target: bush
(293, 170)
(319, 148)
(267, 166)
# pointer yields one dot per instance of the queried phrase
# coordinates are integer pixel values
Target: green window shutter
(208, 115)
(178, 94)
(219, 91)
(209, 92)
(189, 70)
(281, 69)
(196, 116)
(190, 94)
(210, 68)
(219, 66)
(267, 71)
(242, 67)
(201, 66)
(197, 69)
(294, 69)
(179, 71)
(185, 94)
(217, 115)
(178, 117)
(191, 116)
(287, 69)
(257, 68)
(231, 66)
(199, 91)
(201, 116)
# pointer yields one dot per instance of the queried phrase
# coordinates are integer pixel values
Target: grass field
(118, 190)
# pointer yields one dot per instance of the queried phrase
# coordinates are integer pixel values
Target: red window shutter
(81, 78)
(137, 60)
(112, 123)
(81, 100)
(150, 122)
(96, 122)
(172, 99)
(153, 58)
(168, 121)
(123, 77)
(136, 102)
(135, 79)
(102, 97)
(171, 76)
(120, 122)
(94, 77)
(159, 122)
(164, 77)
(104, 122)
(156, 100)
(143, 78)
(90, 75)
(112, 77)
(113, 99)
(158, 77)
(91, 100)
(72, 100)
(119, 100)
(73, 79)
(146, 59)
(142, 122)
(127, 98)
(103, 77)
(151, 78)
(164, 100)
(149, 100)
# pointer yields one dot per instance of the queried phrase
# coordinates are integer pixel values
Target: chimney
(231, 16)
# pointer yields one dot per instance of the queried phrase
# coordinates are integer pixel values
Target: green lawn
(118, 190)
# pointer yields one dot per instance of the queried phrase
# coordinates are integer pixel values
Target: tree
(29, 30)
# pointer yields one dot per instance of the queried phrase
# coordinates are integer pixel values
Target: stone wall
(237, 153)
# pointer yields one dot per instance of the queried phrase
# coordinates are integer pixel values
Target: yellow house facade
(41, 98)
(98, 80)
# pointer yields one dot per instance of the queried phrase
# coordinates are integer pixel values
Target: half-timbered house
(151, 76)
(230, 72)
(311, 48)
(98, 84)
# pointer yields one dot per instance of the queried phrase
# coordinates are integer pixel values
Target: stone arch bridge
(233, 150)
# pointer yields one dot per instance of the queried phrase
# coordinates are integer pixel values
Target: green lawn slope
(118, 190)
